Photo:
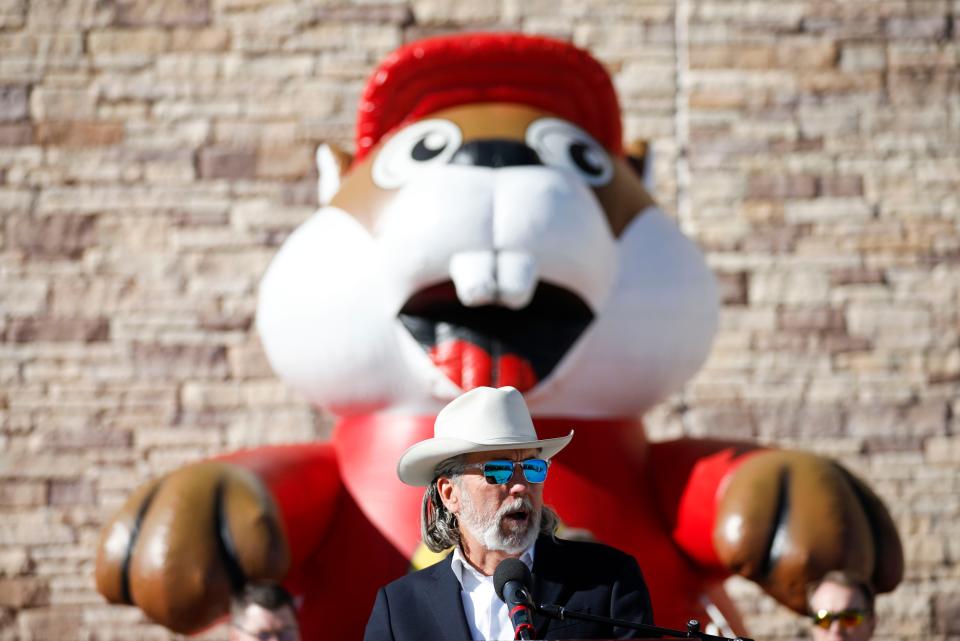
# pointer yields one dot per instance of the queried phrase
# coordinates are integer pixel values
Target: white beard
(490, 530)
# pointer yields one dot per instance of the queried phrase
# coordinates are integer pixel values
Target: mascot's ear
(639, 156)
(332, 164)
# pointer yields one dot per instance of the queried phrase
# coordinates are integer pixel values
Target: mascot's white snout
(331, 302)
(496, 233)
(654, 332)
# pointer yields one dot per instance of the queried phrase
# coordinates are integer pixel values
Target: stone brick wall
(153, 155)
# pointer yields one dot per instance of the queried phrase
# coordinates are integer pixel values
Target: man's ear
(640, 159)
(332, 164)
(449, 494)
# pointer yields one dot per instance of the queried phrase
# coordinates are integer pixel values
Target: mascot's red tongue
(469, 365)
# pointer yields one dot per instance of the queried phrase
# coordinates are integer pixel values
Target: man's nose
(519, 487)
(495, 152)
(518, 482)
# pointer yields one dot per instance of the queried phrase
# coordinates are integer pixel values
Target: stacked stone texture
(153, 156)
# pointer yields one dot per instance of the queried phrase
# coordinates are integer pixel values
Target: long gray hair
(439, 527)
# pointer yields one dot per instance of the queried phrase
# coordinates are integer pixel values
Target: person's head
(484, 472)
(263, 612)
(841, 608)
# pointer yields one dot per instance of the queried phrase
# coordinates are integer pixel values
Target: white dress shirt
(487, 616)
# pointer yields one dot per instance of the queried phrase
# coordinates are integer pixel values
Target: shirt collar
(459, 564)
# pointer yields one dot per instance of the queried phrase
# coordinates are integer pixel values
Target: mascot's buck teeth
(494, 278)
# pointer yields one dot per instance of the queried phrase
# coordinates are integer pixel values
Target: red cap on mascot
(437, 73)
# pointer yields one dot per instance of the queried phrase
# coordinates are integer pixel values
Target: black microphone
(511, 580)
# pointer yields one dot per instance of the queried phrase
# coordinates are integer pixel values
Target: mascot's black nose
(495, 152)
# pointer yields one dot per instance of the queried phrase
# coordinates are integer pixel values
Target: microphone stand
(653, 631)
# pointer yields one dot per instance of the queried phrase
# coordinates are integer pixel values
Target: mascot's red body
(490, 231)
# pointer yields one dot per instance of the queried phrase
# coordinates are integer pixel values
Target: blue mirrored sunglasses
(501, 471)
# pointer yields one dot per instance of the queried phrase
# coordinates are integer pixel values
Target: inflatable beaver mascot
(489, 231)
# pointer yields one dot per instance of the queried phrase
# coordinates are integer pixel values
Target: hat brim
(417, 464)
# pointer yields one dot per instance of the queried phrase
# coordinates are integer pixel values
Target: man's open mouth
(517, 517)
(493, 345)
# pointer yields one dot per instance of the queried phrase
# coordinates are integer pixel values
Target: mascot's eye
(561, 144)
(428, 147)
(587, 159)
(412, 149)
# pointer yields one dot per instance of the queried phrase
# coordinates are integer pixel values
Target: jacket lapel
(447, 604)
(545, 589)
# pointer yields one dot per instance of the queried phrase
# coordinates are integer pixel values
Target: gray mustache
(519, 503)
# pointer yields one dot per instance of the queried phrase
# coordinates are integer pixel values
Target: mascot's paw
(786, 518)
(182, 543)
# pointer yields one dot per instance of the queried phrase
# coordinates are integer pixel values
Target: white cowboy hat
(482, 420)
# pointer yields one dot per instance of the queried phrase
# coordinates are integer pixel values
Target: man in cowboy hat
(484, 471)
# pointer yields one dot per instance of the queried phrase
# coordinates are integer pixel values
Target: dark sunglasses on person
(283, 634)
(500, 471)
(847, 618)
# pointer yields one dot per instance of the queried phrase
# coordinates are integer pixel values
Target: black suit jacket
(587, 577)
